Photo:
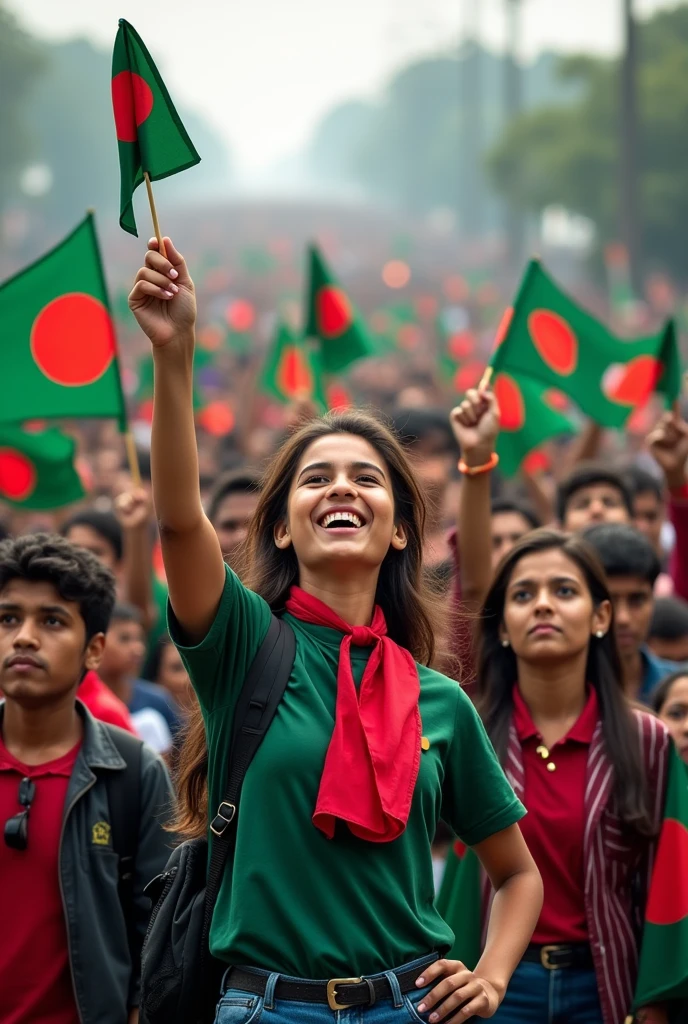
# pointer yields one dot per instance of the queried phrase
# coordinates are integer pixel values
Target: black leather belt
(554, 958)
(337, 993)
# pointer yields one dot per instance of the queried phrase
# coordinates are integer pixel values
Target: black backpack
(180, 979)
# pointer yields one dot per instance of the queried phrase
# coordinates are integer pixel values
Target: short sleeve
(477, 798)
(217, 666)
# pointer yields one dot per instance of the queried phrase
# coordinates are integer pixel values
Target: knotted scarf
(373, 758)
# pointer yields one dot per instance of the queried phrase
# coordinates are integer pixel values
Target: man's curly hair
(76, 574)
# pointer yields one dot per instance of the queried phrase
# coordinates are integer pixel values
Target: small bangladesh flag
(548, 338)
(529, 415)
(459, 901)
(37, 469)
(58, 353)
(331, 318)
(150, 135)
(292, 370)
(663, 967)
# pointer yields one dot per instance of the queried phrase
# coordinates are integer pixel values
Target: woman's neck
(351, 597)
(555, 694)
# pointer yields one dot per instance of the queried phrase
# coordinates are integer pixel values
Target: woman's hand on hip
(163, 298)
(459, 989)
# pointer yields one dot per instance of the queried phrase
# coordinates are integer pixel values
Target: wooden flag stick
(154, 214)
(132, 459)
(485, 379)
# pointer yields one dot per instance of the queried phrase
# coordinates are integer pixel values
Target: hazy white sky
(264, 71)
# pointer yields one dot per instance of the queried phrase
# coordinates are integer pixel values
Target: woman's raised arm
(164, 303)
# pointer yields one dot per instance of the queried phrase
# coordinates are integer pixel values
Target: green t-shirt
(295, 901)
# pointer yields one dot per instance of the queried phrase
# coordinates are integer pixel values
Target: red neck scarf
(373, 759)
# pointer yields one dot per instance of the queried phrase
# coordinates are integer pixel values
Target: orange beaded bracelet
(477, 470)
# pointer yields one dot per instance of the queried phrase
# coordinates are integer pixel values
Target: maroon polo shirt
(35, 978)
(554, 825)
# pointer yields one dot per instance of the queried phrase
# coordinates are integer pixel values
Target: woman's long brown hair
(414, 614)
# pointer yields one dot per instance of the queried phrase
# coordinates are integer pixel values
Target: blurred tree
(409, 149)
(570, 156)
(337, 139)
(21, 64)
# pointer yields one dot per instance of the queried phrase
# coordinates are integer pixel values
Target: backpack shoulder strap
(261, 693)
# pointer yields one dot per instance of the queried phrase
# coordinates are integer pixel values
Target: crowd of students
(559, 605)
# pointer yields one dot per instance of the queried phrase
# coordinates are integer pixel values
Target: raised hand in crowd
(163, 301)
(134, 511)
(159, 281)
(475, 423)
(668, 443)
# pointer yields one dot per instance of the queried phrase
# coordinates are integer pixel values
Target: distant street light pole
(628, 171)
(512, 106)
(471, 199)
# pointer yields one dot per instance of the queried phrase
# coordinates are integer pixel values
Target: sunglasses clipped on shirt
(17, 827)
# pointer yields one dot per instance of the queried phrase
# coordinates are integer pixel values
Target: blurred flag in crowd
(150, 134)
(292, 371)
(37, 469)
(546, 341)
(331, 318)
(663, 967)
(58, 353)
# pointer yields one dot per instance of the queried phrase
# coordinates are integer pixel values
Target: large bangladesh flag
(58, 353)
(459, 901)
(548, 344)
(150, 134)
(37, 469)
(663, 968)
(331, 318)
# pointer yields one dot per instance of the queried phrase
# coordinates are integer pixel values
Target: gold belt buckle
(544, 958)
(332, 1002)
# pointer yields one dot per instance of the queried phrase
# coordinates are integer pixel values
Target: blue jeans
(239, 1007)
(538, 996)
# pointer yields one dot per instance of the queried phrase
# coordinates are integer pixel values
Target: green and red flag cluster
(58, 353)
(548, 345)
(292, 370)
(459, 901)
(37, 469)
(150, 134)
(332, 320)
(663, 966)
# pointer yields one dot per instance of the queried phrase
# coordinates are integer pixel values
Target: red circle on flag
(632, 384)
(338, 397)
(17, 475)
(510, 401)
(132, 103)
(668, 899)
(555, 341)
(468, 376)
(72, 340)
(536, 462)
(294, 377)
(332, 311)
(216, 419)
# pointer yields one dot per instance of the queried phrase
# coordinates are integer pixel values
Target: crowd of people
(501, 661)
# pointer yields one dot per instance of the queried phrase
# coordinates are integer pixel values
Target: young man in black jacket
(73, 921)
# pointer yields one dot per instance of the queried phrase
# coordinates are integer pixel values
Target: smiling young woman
(590, 769)
(332, 876)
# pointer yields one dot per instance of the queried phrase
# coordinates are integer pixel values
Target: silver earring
(600, 634)
(505, 643)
